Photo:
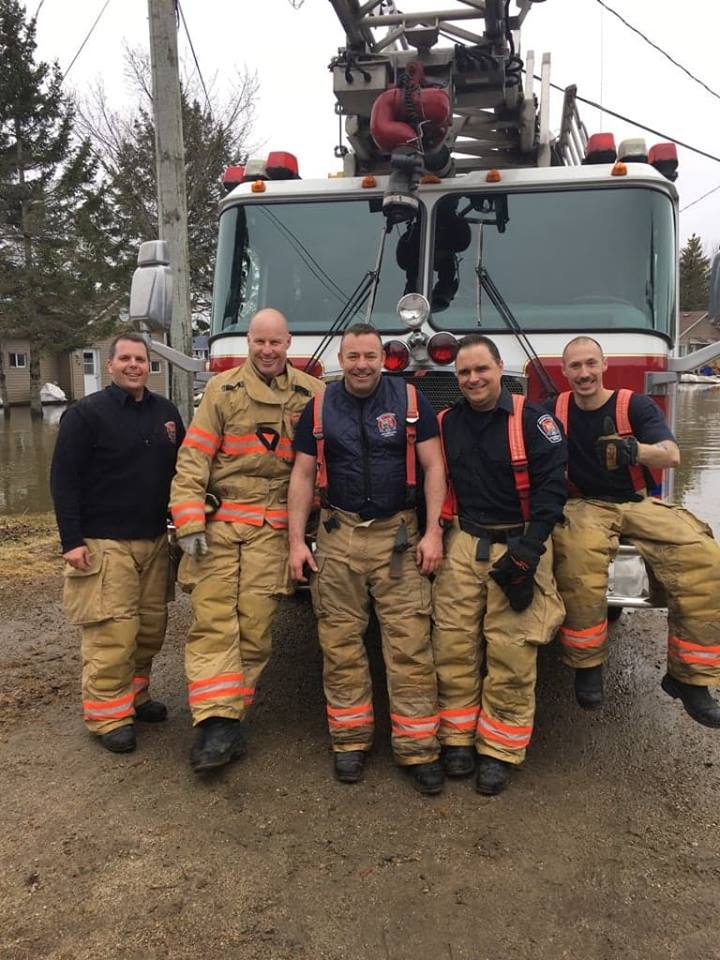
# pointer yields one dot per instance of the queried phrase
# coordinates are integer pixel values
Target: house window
(89, 363)
(155, 366)
(18, 361)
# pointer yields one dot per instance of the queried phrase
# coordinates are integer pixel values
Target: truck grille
(441, 389)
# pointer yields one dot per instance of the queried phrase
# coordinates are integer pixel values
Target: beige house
(77, 372)
(697, 330)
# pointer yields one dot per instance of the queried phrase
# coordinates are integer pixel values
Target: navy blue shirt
(113, 463)
(480, 467)
(365, 446)
(584, 429)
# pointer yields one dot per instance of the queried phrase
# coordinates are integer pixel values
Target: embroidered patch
(387, 424)
(549, 429)
(171, 431)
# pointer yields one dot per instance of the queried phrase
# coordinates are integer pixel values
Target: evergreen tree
(58, 274)
(694, 276)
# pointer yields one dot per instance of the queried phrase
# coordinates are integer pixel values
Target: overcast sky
(290, 50)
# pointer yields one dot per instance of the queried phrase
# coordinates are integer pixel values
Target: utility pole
(172, 202)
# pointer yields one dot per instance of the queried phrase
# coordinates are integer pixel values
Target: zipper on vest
(365, 454)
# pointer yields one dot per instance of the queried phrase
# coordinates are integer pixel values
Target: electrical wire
(659, 49)
(635, 123)
(39, 8)
(89, 34)
(192, 50)
(693, 202)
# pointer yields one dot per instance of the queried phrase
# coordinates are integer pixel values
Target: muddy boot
(428, 778)
(119, 740)
(492, 775)
(458, 761)
(589, 687)
(696, 700)
(349, 765)
(152, 711)
(219, 740)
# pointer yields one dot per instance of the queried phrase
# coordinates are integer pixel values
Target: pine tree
(694, 276)
(58, 273)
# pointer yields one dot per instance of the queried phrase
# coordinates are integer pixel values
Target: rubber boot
(697, 700)
(219, 741)
(349, 765)
(493, 775)
(428, 778)
(458, 761)
(119, 740)
(589, 687)
(152, 711)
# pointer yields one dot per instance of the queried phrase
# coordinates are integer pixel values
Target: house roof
(698, 327)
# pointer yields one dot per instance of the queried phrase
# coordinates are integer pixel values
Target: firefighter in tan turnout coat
(229, 506)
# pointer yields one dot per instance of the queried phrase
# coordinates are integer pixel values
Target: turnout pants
(236, 589)
(485, 652)
(685, 560)
(355, 573)
(121, 605)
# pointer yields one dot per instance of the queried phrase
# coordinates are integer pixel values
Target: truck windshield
(594, 260)
(305, 259)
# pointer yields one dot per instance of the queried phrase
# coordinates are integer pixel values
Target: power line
(693, 202)
(192, 50)
(89, 34)
(636, 123)
(659, 49)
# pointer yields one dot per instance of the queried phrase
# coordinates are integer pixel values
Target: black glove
(514, 572)
(614, 451)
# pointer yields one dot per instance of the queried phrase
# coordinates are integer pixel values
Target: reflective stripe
(250, 443)
(223, 685)
(509, 735)
(586, 639)
(202, 440)
(140, 684)
(687, 652)
(109, 709)
(415, 726)
(190, 511)
(254, 514)
(462, 720)
(359, 716)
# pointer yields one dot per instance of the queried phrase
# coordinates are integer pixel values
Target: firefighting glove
(194, 545)
(514, 572)
(614, 451)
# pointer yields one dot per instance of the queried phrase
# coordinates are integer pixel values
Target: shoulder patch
(549, 429)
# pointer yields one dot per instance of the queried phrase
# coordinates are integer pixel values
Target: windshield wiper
(506, 314)
(366, 290)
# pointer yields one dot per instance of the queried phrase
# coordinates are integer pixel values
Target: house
(77, 372)
(697, 330)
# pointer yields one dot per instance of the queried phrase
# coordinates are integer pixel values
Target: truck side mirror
(151, 289)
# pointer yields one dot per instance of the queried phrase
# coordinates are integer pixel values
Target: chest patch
(549, 429)
(171, 431)
(387, 424)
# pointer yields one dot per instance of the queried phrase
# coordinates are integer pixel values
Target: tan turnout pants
(121, 605)
(485, 652)
(354, 573)
(236, 589)
(684, 558)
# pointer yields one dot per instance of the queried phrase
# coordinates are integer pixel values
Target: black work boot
(349, 765)
(492, 775)
(458, 761)
(119, 740)
(589, 687)
(428, 778)
(219, 740)
(696, 700)
(152, 711)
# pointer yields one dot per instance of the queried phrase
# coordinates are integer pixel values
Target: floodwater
(26, 450)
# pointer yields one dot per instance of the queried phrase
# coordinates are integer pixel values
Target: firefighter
(364, 437)
(614, 437)
(229, 506)
(495, 599)
(110, 481)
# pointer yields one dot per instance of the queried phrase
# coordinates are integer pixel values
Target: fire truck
(457, 211)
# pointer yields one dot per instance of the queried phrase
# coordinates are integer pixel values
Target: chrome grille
(441, 389)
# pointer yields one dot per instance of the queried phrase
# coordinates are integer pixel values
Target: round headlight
(413, 309)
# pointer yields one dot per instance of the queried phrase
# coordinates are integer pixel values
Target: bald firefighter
(495, 599)
(614, 438)
(110, 480)
(229, 505)
(364, 438)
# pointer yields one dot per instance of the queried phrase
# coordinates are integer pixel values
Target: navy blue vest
(365, 449)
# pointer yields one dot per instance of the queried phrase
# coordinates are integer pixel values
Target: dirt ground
(605, 846)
